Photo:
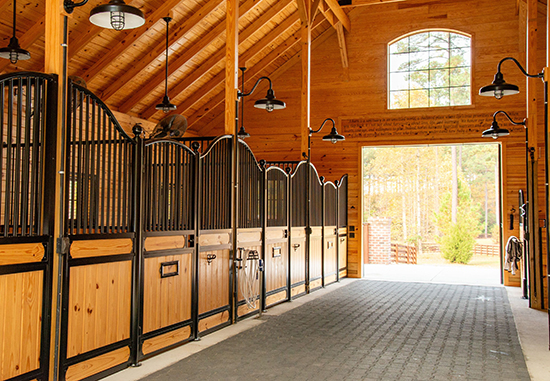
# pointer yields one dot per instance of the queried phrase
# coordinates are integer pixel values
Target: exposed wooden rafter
(358, 3)
(339, 13)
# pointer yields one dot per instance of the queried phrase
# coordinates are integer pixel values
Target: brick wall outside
(380, 240)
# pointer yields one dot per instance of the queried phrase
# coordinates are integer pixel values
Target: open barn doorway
(432, 213)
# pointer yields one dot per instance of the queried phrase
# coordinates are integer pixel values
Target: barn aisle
(372, 330)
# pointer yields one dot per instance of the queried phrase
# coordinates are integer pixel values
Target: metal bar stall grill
(315, 236)
(287, 166)
(28, 133)
(250, 258)
(168, 260)
(342, 202)
(276, 237)
(99, 263)
(298, 249)
(214, 241)
(330, 233)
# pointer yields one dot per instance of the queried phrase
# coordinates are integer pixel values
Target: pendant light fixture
(496, 131)
(242, 134)
(13, 51)
(166, 106)
(117, 15)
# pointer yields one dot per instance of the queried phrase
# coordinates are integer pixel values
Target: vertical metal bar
(126, 191)
(78, 173)
(109, 169)
(263, 218)
(196, 212)
(2, 178)
(103, 171)
(26, 162)
(120, 144)
(86, 181)
(8, 211)
(34, 216)
(16, 219)
(92, 178)
(323, 222)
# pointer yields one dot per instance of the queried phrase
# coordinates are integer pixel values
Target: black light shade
(498, 88)
(242, 134)
(269, 103)
(334, 136)
(495, 131)
(13, 51)
(117, 15)
(166, 106)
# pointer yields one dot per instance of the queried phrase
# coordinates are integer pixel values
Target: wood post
(305, 12)
(231, 64)
(55, 49)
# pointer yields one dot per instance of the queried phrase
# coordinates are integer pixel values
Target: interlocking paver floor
(373, 330)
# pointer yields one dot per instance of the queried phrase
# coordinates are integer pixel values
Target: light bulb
(117, 20)
(499, 94)
(269, 107)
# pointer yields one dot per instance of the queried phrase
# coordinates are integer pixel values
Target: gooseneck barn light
(496, 131)
(166, 106)
(13, 51)
(242, 134)
(499, 87)
(269, 103)
(115, 15)
(333, 136)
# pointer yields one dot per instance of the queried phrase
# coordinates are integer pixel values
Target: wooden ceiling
(126, 69)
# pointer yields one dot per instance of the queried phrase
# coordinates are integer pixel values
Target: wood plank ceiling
(126, 69)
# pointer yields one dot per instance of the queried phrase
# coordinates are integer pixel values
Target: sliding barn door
(28, 125)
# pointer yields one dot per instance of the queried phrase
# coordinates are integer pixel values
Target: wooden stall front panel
(343, 252)
(99, 306)
(330, 261)
(316, 258)
(276, 265)
(20, 323)
(298, 261)
(167, 291)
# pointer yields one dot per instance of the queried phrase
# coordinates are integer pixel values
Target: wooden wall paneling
(162, 341)
(167, 301)
(20, 323)
(99, 248)
(276, 267)
(99, 306)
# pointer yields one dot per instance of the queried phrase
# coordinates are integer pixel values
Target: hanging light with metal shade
(269, 103)
(166, 106)
(117, 15)
(334, 136)
(13, 51)
(495, 131)
(499, 87)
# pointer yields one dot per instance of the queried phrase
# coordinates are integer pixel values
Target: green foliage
(457, 244)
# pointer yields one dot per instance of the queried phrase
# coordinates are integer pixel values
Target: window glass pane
(460, 96)
(439, 40)
(419, 42)
(401, 46)
(419, 79)
(439, 78)
(420, 60)
(439, 97)
(461, 57)
(459, 41)
(399, 62)
(399, 99)
(460, 76)
(439, 59)
(419, 98)
(399, 81)
(434, 66)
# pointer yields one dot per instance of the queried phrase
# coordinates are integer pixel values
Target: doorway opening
(432, 213)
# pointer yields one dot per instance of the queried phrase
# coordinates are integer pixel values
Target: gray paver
(373, 330)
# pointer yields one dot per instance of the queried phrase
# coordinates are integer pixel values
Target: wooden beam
(342, 45)
(329, 15)
(339, 13)
(28, 38)
(290, 44)
(231, 64)
(189, 54)
(158, 52)
(303, 10)
(53, 63)
(126, 41)
(215, 60)
(358, 3)
(314, 9)
(305, 103)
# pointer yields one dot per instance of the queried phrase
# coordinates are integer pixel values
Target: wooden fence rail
(486, 250)
(403, 253)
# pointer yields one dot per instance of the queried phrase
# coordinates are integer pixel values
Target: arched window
(429, 69)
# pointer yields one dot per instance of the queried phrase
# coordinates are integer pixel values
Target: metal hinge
(63, 245)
